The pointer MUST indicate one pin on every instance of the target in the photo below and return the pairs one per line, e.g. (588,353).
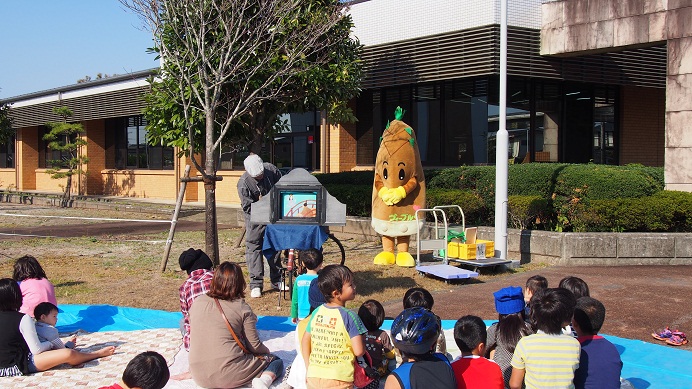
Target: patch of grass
(68,289)
(124,270)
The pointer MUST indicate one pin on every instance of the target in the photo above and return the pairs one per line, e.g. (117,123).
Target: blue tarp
(646,365)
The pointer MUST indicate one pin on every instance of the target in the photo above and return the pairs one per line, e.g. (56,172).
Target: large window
(604,134)
(7,154)
(297,144)
(132,150)
(49,158)
(456,121)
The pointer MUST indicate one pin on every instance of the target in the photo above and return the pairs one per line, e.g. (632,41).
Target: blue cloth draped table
(292,236)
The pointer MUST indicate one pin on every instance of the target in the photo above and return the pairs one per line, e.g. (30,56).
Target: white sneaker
(256,293)
(259,383)
(280,286)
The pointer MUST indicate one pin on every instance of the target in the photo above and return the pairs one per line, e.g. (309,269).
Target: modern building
(575,94)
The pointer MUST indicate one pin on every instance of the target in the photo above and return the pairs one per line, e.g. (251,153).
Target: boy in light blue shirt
(300,303)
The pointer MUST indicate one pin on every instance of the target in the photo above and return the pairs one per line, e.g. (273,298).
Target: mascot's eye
(402,174)
(384,173)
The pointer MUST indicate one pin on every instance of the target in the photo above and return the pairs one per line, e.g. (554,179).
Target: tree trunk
(256,146)
(211,236)
(211,233)
(66,194)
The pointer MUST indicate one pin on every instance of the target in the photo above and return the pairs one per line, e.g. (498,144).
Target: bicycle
(333,252)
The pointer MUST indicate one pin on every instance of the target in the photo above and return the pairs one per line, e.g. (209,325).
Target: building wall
(642,125)
(27,158)
(342,147)
(8,178)
(95,150)
(385,21)
(154,184)
(46,184)
(226,189)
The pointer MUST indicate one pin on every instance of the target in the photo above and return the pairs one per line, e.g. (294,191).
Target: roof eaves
(85,85)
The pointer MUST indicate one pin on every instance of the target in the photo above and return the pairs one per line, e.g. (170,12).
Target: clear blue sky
(46,44)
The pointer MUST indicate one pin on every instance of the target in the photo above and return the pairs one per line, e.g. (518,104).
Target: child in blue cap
(504,335)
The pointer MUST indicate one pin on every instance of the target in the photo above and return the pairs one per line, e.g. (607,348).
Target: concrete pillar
(678,143)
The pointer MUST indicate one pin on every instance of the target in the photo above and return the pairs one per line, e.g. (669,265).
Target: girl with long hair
(504,335)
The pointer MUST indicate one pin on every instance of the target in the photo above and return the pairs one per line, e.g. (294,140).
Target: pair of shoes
(280,286)
(256,293)
(666,334)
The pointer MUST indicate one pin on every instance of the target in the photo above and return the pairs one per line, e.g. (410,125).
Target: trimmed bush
(665,211)
(474,210)
(577,186)
(563,197)
(358,198)
(528,212)
(605,182)
(357,178)
(533,179)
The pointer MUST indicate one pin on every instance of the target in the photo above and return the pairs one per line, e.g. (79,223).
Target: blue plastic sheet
(646,365)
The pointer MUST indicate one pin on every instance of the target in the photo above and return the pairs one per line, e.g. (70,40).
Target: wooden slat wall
(98,106)
(475,52)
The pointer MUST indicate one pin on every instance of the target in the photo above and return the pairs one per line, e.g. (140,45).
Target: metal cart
(441,228)
(438,244)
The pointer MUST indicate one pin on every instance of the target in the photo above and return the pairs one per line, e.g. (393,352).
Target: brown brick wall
(642,125)
(95,150)
(343,145)
(27,157)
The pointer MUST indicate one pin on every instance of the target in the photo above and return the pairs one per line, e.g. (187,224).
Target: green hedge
(665,211)
(356,178)
(475,211)
(358,198)
(563,197)
(528,212)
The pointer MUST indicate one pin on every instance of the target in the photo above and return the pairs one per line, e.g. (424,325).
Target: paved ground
(638,299)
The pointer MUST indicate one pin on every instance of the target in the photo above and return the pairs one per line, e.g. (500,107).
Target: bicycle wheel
(333,251)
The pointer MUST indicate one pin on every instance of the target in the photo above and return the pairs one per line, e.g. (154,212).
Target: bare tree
(221,58)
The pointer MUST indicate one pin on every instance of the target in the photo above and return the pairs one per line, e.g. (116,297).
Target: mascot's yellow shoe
(405,260)
(385,258)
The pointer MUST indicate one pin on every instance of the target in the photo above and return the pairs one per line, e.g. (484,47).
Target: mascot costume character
(398,191)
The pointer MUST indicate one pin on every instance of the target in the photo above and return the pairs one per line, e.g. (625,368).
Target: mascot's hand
(397,194)
(386,195)
(381,193)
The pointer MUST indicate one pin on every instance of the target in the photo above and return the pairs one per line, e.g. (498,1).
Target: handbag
(364,375)
(265,357)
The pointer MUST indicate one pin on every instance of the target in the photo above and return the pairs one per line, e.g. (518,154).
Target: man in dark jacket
(258,179)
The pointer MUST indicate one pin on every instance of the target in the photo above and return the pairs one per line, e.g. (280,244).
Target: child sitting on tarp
(420,297)
(534,284)
(599,364)
(551,310)
(46,315)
